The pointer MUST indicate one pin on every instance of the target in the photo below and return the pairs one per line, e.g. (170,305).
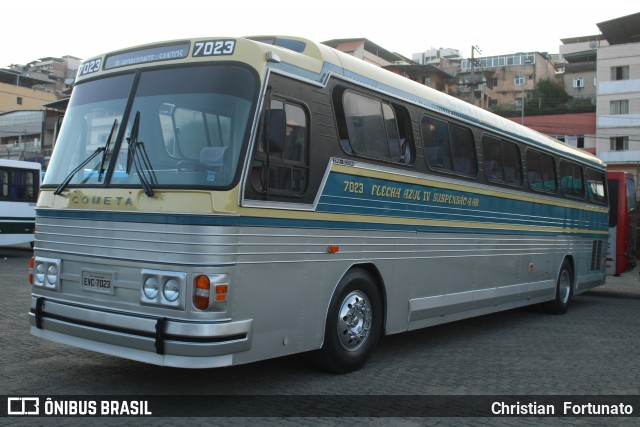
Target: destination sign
(150,54)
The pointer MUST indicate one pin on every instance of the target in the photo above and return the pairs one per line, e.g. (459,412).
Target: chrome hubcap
(564,286)
(354,320)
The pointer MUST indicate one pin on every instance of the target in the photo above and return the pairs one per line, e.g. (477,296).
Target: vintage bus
(19,186)
(212,202)
(623,222)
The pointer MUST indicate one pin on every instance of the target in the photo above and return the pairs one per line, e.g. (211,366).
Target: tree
(581,105)
(548,97)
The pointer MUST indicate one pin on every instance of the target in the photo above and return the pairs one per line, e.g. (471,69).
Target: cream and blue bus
(213,202)
(19,186)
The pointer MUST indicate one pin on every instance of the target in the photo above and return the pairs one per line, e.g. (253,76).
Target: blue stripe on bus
(343,194)
(247,221)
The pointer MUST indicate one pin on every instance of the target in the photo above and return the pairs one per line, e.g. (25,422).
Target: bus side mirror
(275,122)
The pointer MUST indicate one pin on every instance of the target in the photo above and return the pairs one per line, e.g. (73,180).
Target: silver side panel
(282,279)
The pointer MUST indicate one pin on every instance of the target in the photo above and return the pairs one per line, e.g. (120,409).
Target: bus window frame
(402,121)
(590,198)
(450,125)
(503,141)
(580,167)
(278,160)
(33,188)
(554,170)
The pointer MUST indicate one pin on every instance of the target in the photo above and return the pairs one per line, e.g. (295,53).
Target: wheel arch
(375,274)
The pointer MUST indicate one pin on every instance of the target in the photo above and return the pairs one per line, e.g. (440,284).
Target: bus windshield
(184,127)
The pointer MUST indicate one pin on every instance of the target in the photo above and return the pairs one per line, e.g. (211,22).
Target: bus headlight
(40,269)
(46,273)
(163,288)
(150,288)
(52,275)
(171,290)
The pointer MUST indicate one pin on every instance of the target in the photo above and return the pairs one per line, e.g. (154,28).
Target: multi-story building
(618,95)
(578,65)
(19,92)
(26,125)
(367,51)
(436,57)
(512,76)
(499,82)
(427,74)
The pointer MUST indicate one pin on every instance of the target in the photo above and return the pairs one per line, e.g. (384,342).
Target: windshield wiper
(103,149)
(139,158)
(106,150)
(69,177)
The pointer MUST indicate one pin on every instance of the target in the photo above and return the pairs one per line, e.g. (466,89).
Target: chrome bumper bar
(157,340)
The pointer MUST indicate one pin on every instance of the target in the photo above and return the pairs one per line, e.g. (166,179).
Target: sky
(36,29)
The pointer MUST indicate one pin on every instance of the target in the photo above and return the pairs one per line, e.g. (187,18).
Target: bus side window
(541,171)
(449,147)
(571,180)
(463,150)
(373,128)
(288,173)
(435,134)
(501,161)
(595,186)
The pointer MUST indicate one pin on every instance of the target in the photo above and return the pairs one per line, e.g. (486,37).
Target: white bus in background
(19,186)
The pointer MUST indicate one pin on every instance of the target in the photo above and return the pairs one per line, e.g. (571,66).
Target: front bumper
(156,340)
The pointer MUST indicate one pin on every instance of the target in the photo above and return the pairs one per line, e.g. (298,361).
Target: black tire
(564,291)
(354,323)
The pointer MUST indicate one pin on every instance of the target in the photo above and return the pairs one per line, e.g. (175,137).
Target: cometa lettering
(102,200)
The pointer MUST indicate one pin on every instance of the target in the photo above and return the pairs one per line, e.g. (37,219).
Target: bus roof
(20,164)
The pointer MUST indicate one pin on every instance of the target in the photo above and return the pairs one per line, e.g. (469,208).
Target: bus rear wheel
(354,323)
(564,291)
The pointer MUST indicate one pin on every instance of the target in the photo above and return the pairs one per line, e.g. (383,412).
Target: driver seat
(214,157)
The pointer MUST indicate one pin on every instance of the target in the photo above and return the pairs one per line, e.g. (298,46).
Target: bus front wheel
(354,323)
(564,291)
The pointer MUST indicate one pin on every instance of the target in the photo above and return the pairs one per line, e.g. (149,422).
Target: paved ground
(592,350)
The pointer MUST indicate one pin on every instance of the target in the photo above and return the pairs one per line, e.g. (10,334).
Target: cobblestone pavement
(592,350)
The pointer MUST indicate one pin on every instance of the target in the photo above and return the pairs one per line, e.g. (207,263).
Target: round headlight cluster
(46,272)
(170,289)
